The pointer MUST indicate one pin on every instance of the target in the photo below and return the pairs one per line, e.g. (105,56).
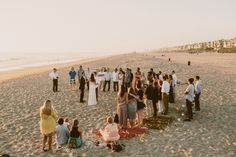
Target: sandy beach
(211,133)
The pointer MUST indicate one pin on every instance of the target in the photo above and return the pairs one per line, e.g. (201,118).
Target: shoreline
(6,76)
(179,58)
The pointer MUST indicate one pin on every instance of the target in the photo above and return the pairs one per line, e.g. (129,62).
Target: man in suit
(82,87)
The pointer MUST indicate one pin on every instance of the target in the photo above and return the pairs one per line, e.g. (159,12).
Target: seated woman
(75,140)
(111,132)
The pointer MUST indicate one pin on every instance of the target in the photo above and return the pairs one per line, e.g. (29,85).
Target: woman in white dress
(92,100)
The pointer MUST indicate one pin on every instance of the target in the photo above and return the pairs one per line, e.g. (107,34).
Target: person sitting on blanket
(75,140)
(111,132)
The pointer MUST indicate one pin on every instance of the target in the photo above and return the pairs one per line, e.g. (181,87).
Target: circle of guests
(139,96)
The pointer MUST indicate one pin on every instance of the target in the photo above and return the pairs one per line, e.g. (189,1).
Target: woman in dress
(132,106)
(75,140)
(138,75)
(171,93)
(140,103)
(47,123)
(143,79)
(92,100)
(122,107)
(111,132)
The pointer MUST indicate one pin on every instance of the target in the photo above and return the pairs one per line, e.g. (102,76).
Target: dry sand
(211,133)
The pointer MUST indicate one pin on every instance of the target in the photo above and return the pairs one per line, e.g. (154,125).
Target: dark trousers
(105,84)
(197,102)
(165,99)
(115,86)
(127,85)
(55,85)
(154,103)
(97,94)
(82,95)
(189,109)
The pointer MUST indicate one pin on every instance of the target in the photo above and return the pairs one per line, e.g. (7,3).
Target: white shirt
(190,90)
(53,75)
(62,134)
(161,77)
(198,86)
(174,79)
(108,76)
(165,88)
(115,76)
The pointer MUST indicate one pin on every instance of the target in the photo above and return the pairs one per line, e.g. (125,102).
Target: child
(67,123)
(111,132)
(62,133)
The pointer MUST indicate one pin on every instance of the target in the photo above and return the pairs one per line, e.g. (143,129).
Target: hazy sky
(111,25)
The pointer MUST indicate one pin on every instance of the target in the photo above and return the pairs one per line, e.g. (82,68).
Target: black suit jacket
(82,83)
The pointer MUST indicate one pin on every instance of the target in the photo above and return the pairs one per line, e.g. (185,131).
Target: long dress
(92,100)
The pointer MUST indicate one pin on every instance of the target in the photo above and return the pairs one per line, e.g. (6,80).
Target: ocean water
(10,61)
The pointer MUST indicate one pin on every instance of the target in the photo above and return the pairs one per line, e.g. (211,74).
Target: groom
(82,87)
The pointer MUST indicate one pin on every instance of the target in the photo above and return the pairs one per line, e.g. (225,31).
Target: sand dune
(211,133)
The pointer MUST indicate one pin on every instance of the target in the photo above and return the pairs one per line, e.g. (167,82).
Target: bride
(92,91)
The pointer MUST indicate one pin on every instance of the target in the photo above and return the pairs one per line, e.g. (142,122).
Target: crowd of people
(136,93)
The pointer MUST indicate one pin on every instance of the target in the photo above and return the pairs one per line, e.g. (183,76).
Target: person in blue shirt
(72,75)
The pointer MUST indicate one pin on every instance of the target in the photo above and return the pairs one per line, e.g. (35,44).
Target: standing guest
(174,78)
(82,87)
(148,98)
(157,77)
(132,107)
(152,72)
(131,78)
(62,133)
(122,106)
(189,92)
(138,74)
(115,78)
(75,140)
(88,74)
(80,72)
(127,79)
(111,132)
(165,95)
(160,76)
(198,91)
(156,96)
(108,76)
(150,76)
(54,75)
(174,83)
(121,77)
(101,78)
(171,93)
(72,75)
(98,83)
(143,79)
(140,103)
(47,123)
(160,103)
(92,100)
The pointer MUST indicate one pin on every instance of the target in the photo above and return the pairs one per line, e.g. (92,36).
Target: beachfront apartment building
(210,45)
